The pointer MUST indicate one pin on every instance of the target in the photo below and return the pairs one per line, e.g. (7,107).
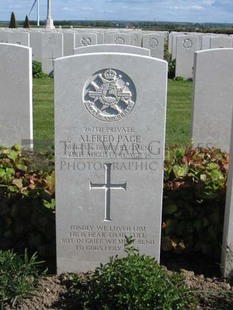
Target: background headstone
(205,42)
(52,48)
(220,42)
(117,38)
(19,37)
(4,36)
(16,94)
(111,48)
(212,98)
(155,43)
(185,48)
(68,42)
(85,39)
(136,38)
(36,45)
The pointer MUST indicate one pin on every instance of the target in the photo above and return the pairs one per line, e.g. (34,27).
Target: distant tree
(26,22)
(12,21)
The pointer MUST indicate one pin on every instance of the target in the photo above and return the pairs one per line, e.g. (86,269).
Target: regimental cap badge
(109,95)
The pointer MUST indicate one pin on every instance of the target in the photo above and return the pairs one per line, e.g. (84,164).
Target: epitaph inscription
(105,238)
(109,95)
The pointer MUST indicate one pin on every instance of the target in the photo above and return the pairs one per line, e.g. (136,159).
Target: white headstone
(136,38)
(155,43)
(205,42)
(4,36)
(36,45)
(52,48)
(109,146)
(170,39)
(99,35)
(117,38)
(19,37)
(220,42)
(112,48)
(68,42)
(185,48)
(173,40)
(85,39)
(212,98)
(16,94)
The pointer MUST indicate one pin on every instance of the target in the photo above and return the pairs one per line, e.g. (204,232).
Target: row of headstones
(183,46)
(109,144)
(49,45)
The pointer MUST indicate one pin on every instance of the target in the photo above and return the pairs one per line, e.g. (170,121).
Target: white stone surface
(220,42)
(68,42)
(16,94)
(205,42)
(52,48)
(85,39)
(117,38)
(111,48)
(155,43)
(4,36)
(136,38)
(109,146)
(212,98)
(186,46)
(19,37)
(36,45)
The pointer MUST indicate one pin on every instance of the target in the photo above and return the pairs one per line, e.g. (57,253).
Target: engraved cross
(107,186)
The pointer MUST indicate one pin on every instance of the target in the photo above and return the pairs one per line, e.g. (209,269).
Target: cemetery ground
(201,274)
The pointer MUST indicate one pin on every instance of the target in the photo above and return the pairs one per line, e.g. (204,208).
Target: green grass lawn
(179,105)
(178,112)
(43,112)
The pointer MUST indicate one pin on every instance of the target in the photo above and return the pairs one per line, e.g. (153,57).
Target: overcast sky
(220,11)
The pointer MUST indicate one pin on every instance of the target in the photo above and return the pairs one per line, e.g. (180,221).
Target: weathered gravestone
(212,98)
(109,129)
(227,242)
(16,94)
(111,48)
